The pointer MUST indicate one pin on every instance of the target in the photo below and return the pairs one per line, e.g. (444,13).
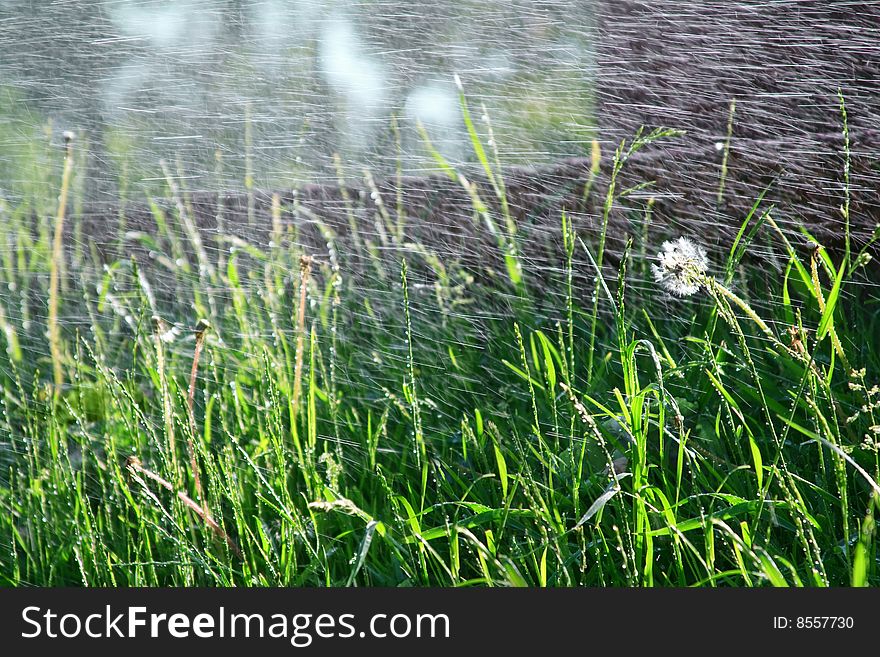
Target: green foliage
(441,436)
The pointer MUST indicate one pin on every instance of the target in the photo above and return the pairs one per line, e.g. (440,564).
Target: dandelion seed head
(681,266)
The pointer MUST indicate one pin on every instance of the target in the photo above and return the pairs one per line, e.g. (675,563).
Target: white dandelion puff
(681,267)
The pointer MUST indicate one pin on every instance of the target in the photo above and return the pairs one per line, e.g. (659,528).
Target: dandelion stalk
(56,264)
(201,329)
(135,467)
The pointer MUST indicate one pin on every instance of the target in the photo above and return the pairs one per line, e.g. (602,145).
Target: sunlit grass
(280,418)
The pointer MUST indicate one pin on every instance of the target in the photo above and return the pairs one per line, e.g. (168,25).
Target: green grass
(413,427)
